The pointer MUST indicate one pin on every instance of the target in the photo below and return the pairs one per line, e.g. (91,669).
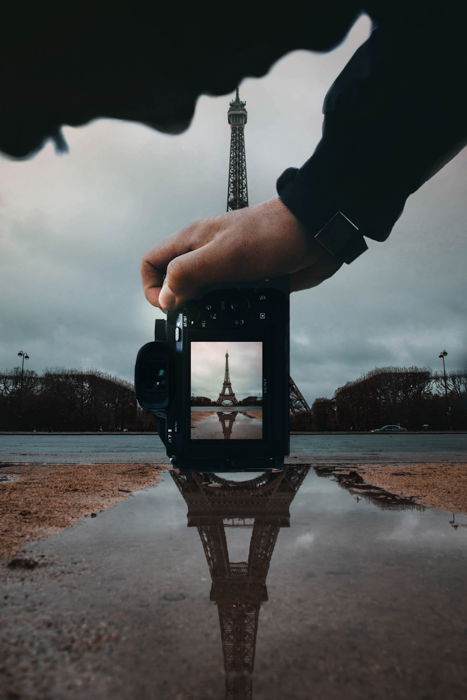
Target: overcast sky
(73,229)
(208,368)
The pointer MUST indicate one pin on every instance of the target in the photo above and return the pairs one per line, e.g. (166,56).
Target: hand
(260,242)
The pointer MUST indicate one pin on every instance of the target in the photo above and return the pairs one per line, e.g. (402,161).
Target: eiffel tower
(237,188)
(239,588)
(227,395)
(237,198)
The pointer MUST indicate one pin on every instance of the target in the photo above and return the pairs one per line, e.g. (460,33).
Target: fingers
(209,251)
(189,273)
(155,262)
(152,280)
(255,243)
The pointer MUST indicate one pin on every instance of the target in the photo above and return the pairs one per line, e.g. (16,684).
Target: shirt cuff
(317,210)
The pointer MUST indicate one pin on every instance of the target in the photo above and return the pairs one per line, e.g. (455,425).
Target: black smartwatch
(341,238)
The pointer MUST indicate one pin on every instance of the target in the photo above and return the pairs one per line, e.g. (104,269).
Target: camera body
(217,378)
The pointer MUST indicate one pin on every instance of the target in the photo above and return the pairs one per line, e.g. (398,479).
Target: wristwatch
(341,238)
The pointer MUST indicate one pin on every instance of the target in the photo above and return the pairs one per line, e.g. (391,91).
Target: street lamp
(24,356)
(442,355)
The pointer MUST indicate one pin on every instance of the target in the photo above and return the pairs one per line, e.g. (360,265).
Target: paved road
(315,448)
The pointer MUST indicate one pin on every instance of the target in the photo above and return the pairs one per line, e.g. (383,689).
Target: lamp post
(24,356)
(442,355)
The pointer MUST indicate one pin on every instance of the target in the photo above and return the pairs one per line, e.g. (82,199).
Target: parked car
(390,429)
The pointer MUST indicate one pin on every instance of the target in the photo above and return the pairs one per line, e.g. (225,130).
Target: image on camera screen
(226,390)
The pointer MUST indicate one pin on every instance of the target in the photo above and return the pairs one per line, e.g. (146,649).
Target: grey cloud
(73,230)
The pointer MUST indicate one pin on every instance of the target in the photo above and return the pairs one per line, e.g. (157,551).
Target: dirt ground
(39,499)
(436,484)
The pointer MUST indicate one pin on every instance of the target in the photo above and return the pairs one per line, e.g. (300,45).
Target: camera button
(193,312)
(263,299)
(239,304)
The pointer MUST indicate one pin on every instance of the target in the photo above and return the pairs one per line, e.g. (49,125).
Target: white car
(390,429)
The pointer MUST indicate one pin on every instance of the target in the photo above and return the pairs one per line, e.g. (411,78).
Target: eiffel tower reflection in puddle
(227,421)
(239,588)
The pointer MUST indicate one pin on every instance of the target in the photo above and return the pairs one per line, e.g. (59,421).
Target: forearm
(389,125)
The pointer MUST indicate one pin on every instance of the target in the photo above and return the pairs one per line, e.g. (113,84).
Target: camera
(216,378)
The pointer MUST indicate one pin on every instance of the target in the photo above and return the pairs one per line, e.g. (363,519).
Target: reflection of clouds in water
(323,493)
(406,528)
(163,499)
(412,528)
(305,541)
(322,485)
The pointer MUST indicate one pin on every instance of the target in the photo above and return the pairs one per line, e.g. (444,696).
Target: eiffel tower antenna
(237,198)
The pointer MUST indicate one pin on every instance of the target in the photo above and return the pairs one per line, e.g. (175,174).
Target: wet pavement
(346,599)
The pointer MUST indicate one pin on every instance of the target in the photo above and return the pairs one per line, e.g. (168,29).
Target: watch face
(341,238)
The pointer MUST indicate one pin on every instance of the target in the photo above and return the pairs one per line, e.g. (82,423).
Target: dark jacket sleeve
(393,117)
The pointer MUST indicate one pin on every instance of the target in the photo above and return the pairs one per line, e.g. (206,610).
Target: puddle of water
(225,424)
(341,599)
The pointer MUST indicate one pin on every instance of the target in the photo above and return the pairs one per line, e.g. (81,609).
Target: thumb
(186,275)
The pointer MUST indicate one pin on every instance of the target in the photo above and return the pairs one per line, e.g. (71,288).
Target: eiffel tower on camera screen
(226,390)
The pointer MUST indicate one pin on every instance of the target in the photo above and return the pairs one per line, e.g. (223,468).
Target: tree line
(412,397)
(63,400)
(74,400)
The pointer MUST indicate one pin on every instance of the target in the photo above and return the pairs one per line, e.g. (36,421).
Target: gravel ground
(39,499)
(435,484)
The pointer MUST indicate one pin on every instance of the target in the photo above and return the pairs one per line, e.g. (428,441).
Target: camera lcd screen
(226,390)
